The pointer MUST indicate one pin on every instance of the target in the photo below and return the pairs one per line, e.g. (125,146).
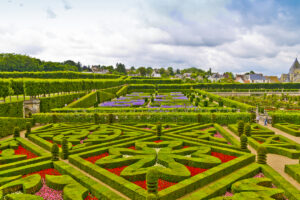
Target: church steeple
(294,66)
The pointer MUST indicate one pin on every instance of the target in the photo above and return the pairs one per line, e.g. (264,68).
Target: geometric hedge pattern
(113,161)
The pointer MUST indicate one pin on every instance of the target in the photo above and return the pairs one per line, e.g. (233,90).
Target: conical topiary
(158,129)
(96,118)
(244,141)
(152,180)
(28,129)
(199,118)
(240,127)
(110,118)
(262,155)
(16,132)
(55,152)
(247,130)
(65,148)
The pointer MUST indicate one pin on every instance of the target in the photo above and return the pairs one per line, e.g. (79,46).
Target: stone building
(294,73)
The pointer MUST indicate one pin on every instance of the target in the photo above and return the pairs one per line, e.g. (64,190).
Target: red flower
(22,151)
(43,173)
(116,171)
(132,147)
(91,197)
(158,141)
(93,159)
(185,147)
(59,145)
(223,157)
(162,184)
(195,170)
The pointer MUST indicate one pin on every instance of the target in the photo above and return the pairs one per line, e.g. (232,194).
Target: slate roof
(256,77)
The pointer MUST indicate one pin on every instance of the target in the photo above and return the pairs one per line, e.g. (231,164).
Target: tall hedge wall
(280,117)
(48,103)
(85,101)
(13,109)
(7,125)
(221,118)
(57,75)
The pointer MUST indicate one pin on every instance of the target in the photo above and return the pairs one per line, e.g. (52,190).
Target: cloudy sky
(226,35)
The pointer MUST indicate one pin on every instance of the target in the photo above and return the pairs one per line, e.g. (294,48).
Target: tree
(121,68)
(55,152)
(170,71)
(142,71)
(177,71)
(149,70)
(162,71)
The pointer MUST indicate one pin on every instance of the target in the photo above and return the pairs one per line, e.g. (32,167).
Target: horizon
(233,36)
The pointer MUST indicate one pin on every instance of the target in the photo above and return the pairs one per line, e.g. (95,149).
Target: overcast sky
(226,35)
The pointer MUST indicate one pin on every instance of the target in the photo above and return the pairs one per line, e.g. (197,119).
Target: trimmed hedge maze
(141,161)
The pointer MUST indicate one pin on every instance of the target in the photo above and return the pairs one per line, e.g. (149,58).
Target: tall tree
(142,71)
(170,71)
(121,68)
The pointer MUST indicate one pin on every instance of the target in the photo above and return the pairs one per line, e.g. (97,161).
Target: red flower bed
(22,151)
(185,147)
(43,173)
(132,147)
(260,142)
(158,141)
(162,184)
(91,197)
(223,157)
(93,159)
(195,170)
(59,145)
(116,171)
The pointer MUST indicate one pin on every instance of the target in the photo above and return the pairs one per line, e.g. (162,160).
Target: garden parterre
(186,154)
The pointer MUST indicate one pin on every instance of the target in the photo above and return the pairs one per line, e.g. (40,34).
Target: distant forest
(23,63)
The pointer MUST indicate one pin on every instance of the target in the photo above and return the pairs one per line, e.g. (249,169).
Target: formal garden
(114,137)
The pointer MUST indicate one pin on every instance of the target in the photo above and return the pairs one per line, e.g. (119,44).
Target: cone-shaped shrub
(244,141)
(55,152)
(205,103)
(28,129)
(240,128)
(213,118)
(54,119)
(96,118)
(16,132)
(152,180)
(158,129)
(252,117)
(65,148)
(221,103)
(199,118)
(262,155)
(247,130)
(110,118)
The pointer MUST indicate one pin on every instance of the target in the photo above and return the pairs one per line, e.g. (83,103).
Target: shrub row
(226,101)
(7,125)
(126,109)
(85,101)
(123,91)
(285,117)
(48,103)
(293,171)
(286,127)
(57,75)
(221,118)
(13,109)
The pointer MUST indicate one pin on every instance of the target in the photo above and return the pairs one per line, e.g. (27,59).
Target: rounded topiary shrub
(262,155)
(55,152)
(152,180)
(65,148)
(244,141)
(247,130)
(205,103)
(16,132)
